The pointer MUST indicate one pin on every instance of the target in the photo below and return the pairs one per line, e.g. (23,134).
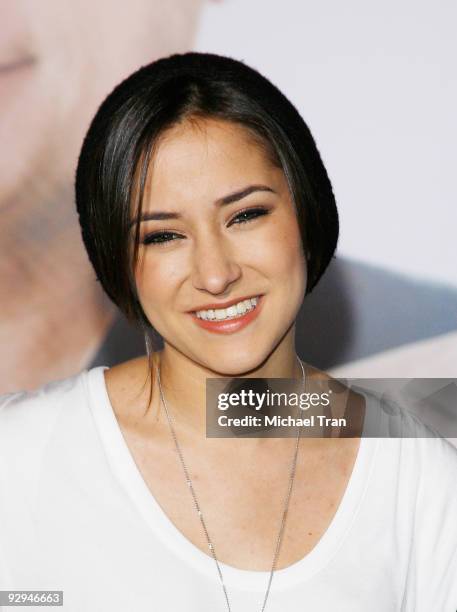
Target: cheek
(282,251)
(156,279)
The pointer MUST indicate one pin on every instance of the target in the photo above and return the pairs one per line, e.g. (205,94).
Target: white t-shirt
(76,515)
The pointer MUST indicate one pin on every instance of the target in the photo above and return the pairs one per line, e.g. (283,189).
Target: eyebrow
(161,215)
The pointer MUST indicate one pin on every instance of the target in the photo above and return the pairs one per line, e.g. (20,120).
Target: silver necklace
(197,505)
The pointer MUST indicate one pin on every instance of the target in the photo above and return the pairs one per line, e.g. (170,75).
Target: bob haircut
(115,155)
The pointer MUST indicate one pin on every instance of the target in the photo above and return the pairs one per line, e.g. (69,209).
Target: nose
(215,267)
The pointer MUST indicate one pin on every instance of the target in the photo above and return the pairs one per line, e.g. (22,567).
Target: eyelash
(160,238)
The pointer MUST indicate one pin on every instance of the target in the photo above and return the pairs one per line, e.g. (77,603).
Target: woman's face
(221,274)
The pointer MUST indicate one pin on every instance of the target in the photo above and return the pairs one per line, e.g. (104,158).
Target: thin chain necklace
(197,505)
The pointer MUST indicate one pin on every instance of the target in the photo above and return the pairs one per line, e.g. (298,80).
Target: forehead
(207,156)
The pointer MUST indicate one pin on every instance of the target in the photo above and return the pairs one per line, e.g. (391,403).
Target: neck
(53,312)
(184,381)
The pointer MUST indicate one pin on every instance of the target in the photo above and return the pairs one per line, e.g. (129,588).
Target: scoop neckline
(129,476)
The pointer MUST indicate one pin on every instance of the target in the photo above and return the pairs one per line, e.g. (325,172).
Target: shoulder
(14,406)
(27,418)
(419,444)
(42,433)
(422,462)
(437,463)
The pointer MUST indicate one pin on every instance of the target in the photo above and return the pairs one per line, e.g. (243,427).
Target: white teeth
(234,311)
(241,308)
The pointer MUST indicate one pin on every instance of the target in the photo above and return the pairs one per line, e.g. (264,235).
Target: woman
(208,215)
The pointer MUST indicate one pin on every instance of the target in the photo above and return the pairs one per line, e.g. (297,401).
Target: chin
(237,363)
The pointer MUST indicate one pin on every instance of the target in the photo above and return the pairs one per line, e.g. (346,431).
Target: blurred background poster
(376,83)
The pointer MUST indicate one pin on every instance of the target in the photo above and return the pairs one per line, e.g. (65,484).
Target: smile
(230,319)
(232,312)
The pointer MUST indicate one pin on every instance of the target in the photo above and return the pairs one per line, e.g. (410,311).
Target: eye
(249,214)
(160,238)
